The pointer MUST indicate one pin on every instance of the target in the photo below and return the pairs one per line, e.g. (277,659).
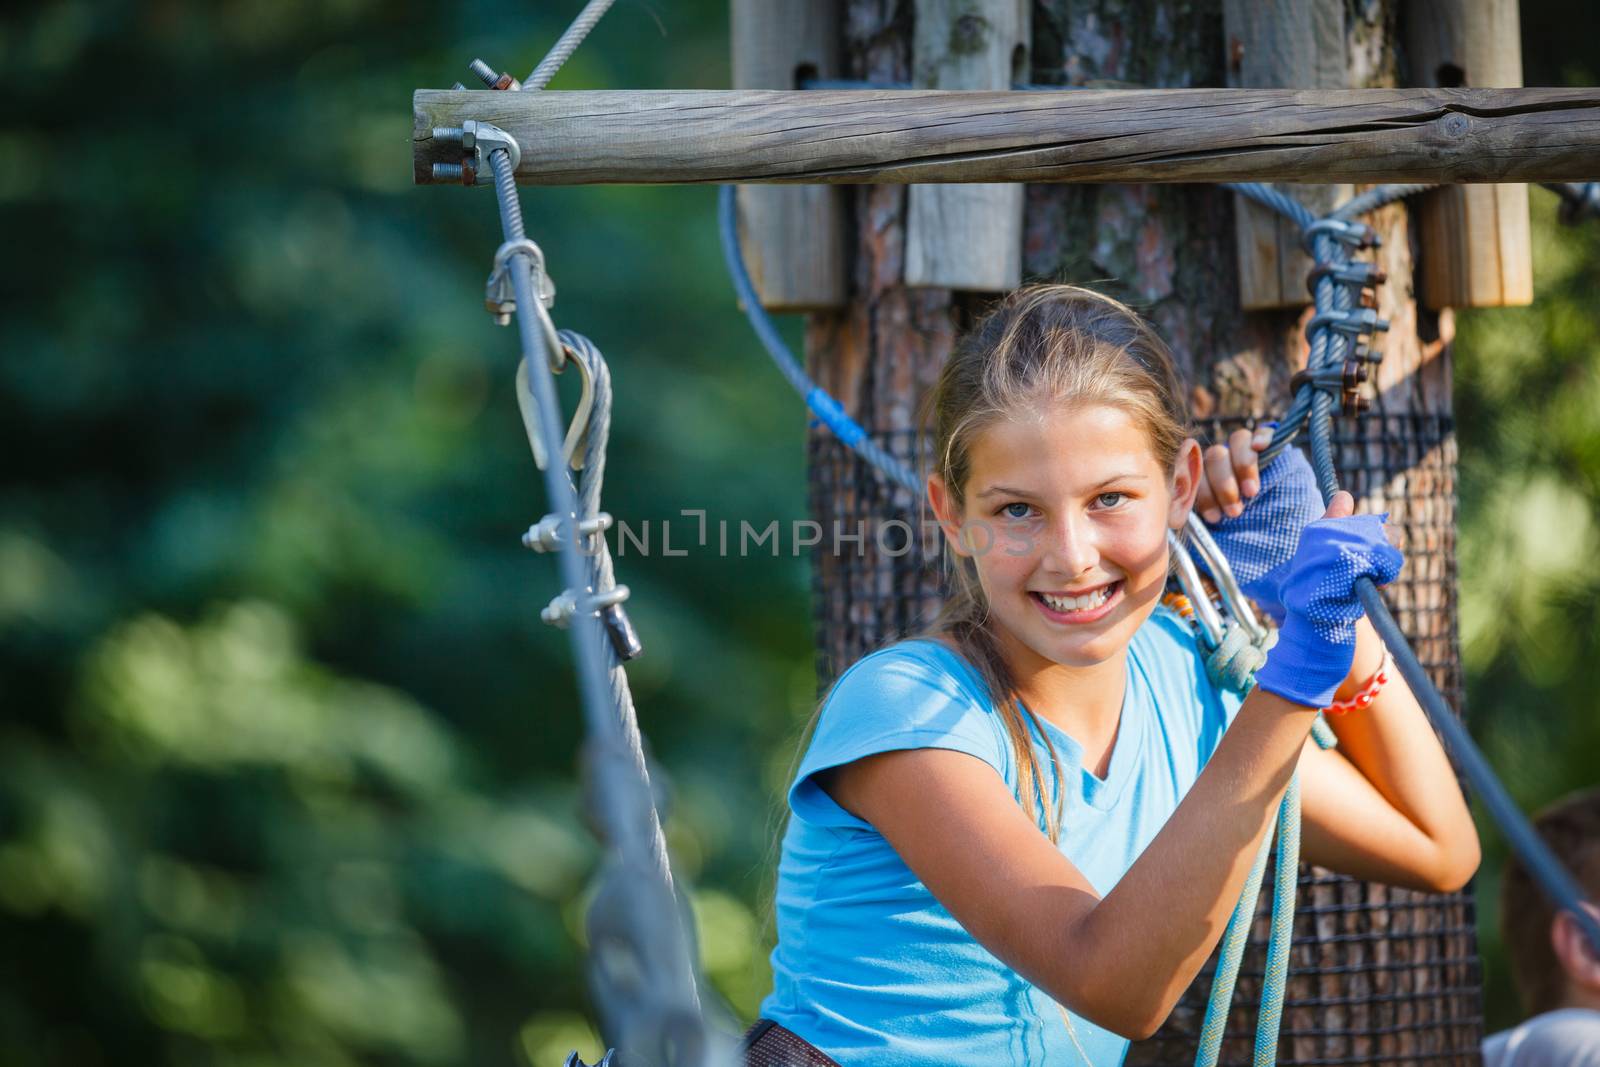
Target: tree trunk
(1378,974)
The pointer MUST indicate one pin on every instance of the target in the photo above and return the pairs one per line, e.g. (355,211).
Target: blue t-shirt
(869,966)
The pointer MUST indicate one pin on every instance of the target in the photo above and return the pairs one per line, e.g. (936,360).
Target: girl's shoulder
(917,693)
(931,672)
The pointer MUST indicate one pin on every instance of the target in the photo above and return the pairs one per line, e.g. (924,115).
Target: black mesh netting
(1377,974)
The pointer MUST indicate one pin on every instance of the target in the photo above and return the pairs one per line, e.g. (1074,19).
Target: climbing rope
(641,961)
(1335,331)
(567,44)
(818,399)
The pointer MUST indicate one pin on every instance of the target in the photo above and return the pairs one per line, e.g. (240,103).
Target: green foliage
(288,769)
(1527,393)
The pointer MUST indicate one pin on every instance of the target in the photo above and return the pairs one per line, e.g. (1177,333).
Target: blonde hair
(1041,347)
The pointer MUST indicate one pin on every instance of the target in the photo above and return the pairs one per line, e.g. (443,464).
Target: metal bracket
(477,141)
(1355,272)
(1355,322)
(545,535)
(499,296)
(1346,232)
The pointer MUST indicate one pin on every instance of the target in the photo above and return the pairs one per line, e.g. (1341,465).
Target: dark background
(286,759)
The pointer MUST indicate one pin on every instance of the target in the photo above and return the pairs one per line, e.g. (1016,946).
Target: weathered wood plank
(967,236)
(1288,44)
(1131,135)
(1476,248)
(793,236)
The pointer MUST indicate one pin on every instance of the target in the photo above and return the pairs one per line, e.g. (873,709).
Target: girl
(1016,838)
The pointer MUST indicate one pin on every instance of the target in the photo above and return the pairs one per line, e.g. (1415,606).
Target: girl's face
(1066,519)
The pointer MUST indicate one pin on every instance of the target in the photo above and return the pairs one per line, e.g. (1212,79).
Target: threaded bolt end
(451,134)
(486,73)
(448,172)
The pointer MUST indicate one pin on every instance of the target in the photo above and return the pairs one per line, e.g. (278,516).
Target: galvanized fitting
(563,607)
(1358,272)
(1347,232)
(499,296)
(477,140)
(545,535)
(494,81)
(1355,322)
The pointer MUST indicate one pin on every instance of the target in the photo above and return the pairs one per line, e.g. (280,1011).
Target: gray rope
(1327,351)
(1380,196)
(568,43)
(641,959)
(1281,202)
(824,406)
(602,577)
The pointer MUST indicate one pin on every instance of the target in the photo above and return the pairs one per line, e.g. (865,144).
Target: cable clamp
(1359,273)
(619,628)
(545,535)
(1347,232)
(564,605)
(1355,322)
(1343,382)
(477,140)
(499,295)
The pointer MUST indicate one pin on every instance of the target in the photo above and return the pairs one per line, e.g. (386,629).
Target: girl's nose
(1071,549)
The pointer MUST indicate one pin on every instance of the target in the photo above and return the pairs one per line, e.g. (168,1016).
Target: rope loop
(1232,665)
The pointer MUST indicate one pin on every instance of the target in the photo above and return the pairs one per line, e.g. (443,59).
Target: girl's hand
(1230,475)
(1317,641)
(1260,543)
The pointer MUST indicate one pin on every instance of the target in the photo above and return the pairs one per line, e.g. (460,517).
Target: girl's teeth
(1077,603)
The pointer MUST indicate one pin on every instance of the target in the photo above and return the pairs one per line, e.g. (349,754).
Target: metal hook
(1189,579)
(1222,572)
(577,429)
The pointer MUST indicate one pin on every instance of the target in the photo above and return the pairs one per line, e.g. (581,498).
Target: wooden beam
(1291,44)
(1126,135)
(1476,246)
(792,236)
(967,236)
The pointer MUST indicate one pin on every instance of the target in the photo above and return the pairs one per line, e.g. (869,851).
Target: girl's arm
(1385,805)
(1123,960)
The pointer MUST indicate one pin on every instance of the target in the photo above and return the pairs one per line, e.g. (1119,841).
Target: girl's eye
(1110,500)
(1010,514)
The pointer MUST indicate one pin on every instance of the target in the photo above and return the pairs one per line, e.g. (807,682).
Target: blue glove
(1317,641)
(1260,542)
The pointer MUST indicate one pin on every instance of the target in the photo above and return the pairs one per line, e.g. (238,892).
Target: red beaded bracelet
(1363,700)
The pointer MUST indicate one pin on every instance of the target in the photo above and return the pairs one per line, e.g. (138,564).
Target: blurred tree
(286,774)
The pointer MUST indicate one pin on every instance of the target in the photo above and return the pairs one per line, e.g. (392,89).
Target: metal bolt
(494,81)
(448,172)
(484,71)
(457,86)
(449,134)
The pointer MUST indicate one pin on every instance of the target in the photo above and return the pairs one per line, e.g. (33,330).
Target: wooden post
(967,236)
(1475,242)
(1290,44)
(793,238)
(668,136)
